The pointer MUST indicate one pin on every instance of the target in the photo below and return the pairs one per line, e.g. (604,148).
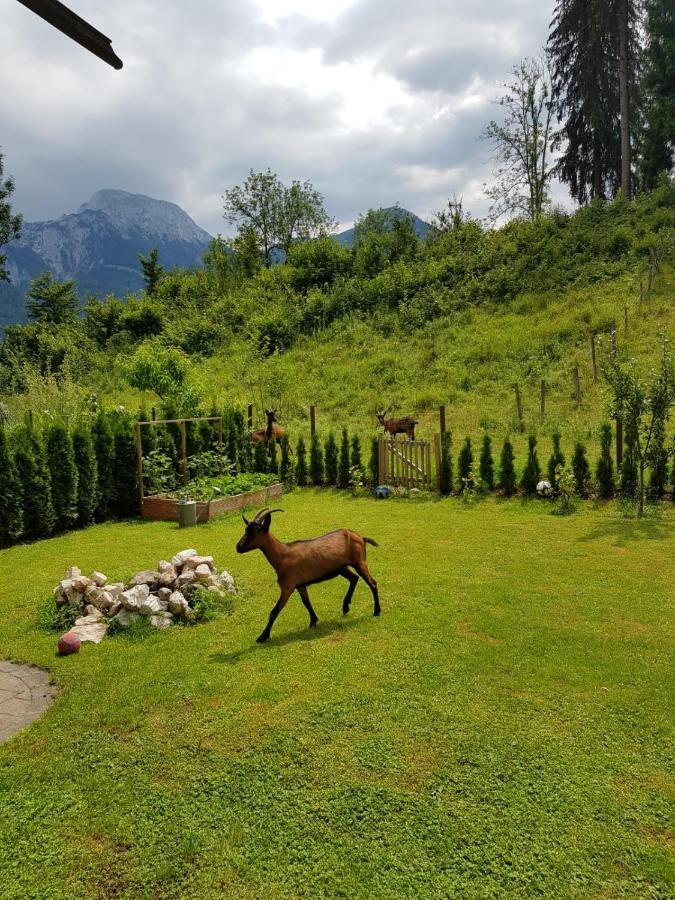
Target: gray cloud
(187,116)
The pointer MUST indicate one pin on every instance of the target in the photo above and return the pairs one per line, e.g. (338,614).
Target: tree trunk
(624,100)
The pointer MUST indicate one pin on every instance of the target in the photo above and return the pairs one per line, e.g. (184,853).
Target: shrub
(300,463)
(87,476)
(36,484)
(343,464)
(11,512)
(285,467)
(125,499)
(316,461)
(465,466)
(260,457)
(629,472)
(487,469)
(658,461)
(208,605)
(104,448)
(331,459)
(355,457)
(445,474)
(604,472)
(63,472)
(273,462)
(532,470)
(507,471)
(374,462)
(580,470)
(672,481)
(59,619)
(556,461)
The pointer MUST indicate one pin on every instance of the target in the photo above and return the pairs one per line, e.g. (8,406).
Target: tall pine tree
(61,461)
(658,89)
(11,513)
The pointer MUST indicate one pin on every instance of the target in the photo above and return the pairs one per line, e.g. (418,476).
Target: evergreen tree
(658,86)
(331,460)
(260,458)
(672,481)
(445,475)
(556,462)
(63,471)
(343,464)
(507,471)
(658,462)
(11,512)
(300,463)
(36,485)
(316,461)
(532,470)
(50,301)
(487,468)
(87,476)
(593,92)
(273,462)
(285,467)
(604,472)
(355,457)
(152,271)
(580,469)
(374,462)
(104,447)
(629,470)
(125,499)
(231,441)
(465,465)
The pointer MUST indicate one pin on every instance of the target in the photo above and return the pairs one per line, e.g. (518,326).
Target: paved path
(25,693)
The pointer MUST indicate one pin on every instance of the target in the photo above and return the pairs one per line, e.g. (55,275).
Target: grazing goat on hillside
(405,425)
(265,434)
(302,563)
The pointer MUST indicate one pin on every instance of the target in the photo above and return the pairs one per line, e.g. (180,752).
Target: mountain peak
(134,214)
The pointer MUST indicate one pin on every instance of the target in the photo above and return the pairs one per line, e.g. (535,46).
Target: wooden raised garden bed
(161,506)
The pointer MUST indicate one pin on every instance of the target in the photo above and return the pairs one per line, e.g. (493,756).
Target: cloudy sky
(375,102)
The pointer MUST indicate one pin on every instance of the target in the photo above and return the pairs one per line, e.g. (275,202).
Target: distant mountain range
(99,246)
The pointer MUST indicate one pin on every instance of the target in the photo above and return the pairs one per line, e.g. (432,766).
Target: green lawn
(503,730)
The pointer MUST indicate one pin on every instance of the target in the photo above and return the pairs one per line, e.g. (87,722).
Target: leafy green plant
(556,460)
(63,471)
(343,465)
(301,463)
(51,617)
(487,469)
(208,605)
(11,512)
(331,453)
(565,488)
(532,470)
(465,466)
(507,471)
(604,472)
(285,466)
(87,475)
(581,470)
(316,461)
(158,472)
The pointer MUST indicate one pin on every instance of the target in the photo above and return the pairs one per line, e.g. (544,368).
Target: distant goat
(302,563)
(405,425)
(272,430)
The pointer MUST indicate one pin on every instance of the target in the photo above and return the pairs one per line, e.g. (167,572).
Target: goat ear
(266,522)
(246,522)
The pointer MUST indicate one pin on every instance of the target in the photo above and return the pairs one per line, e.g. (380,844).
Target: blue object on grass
(382,492)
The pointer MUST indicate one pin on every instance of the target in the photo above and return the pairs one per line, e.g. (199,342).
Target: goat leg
(276,609)
(364,572)
(304,596)
(353,581)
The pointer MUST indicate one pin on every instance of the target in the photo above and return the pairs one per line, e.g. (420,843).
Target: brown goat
(405,425)
(302,563)
(265,434)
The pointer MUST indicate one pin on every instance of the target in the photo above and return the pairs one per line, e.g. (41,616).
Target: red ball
(69,643)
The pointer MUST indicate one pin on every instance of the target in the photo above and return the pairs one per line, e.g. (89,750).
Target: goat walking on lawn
(302,563)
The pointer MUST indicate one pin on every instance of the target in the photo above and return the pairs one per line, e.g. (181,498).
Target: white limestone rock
(148,577)
(150,606)
(179,559)
(98,578)
(73,572)
(133,598)
(90,631)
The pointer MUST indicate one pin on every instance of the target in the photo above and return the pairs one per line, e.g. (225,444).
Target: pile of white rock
(163,596)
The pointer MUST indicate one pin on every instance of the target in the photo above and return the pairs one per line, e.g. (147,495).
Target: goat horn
(259,515)
(246,522)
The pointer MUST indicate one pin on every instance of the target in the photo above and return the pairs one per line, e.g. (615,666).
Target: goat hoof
(263,637)
(313,623)
(377,612)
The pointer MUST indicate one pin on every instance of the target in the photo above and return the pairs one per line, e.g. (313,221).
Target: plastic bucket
(187,513)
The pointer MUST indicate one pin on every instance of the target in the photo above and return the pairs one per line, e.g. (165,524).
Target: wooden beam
(74,27)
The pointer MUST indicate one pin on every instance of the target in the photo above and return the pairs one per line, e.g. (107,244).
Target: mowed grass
(503,730)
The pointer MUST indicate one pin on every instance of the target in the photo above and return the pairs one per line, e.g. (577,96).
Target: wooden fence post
(250,417)
(154,414)
(139,463)
(312,420)
(577,385)
(543,400)
(441,419)
(519,408)
(593,359)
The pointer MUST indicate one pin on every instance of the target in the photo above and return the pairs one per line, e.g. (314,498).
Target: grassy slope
(501,730)
(468,362)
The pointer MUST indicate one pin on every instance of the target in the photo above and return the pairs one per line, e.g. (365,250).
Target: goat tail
(368,540)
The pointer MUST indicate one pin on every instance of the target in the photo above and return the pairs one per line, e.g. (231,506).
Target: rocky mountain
(422,228)
(99,247)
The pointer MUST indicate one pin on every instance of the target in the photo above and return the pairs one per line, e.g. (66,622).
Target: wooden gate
(405,463)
